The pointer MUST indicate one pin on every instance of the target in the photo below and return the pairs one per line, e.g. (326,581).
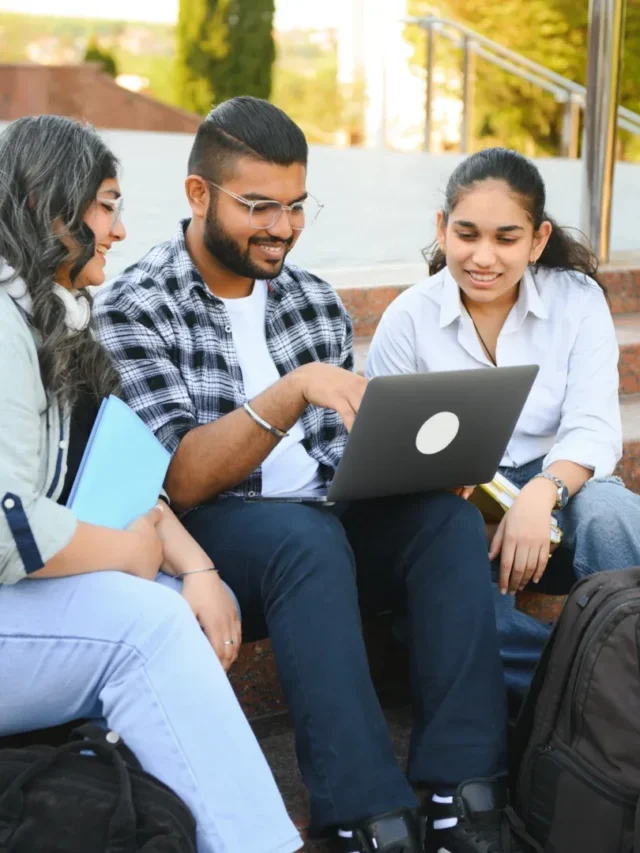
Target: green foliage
(553,33)
(305,85)
(155,60)
(247,68)
(225,48)
(95,53)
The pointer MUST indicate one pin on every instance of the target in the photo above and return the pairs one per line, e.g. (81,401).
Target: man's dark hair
(245,127)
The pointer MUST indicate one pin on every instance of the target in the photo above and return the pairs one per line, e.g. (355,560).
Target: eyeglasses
(265,214)
(115,205)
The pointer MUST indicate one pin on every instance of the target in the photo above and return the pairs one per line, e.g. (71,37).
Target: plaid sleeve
(348,361)
(138,341)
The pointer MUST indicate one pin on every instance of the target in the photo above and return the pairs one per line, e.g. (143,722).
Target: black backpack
(88,796)
(576,746)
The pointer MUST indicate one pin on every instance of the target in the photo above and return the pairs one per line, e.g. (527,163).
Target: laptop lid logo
(437,433)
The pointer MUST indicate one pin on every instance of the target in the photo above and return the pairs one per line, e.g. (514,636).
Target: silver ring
(230,642)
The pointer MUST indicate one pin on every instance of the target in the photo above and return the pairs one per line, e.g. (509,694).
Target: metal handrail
(472,43)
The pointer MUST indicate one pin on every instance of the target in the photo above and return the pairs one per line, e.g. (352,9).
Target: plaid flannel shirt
(171,340)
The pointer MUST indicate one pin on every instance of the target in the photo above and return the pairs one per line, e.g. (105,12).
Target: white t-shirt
(288,468)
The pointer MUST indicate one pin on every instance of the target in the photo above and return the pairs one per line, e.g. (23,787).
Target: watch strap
(561,487)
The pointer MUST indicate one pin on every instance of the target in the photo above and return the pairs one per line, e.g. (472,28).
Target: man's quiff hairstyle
(245,127)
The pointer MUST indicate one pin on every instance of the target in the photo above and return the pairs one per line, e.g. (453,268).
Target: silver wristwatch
(562,498)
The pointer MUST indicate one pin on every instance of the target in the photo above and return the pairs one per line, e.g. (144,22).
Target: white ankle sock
(446,822)
(346,833)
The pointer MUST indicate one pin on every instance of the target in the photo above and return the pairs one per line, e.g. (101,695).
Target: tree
(247,68)
(511,111)
(106,60)
(225,48)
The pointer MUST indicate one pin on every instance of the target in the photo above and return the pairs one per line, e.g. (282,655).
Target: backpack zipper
(591,777)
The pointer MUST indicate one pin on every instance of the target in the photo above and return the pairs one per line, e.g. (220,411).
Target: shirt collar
(186,272)
(529,300)
(188,275)
(450,302)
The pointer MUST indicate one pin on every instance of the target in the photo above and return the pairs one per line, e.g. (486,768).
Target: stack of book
(494,499)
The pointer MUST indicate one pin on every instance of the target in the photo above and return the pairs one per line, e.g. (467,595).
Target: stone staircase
(254,675)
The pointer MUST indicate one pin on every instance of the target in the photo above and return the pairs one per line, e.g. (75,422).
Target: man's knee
(450,533)
(454,516)
(313,544)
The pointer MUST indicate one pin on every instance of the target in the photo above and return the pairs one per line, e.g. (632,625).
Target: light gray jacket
(34,435)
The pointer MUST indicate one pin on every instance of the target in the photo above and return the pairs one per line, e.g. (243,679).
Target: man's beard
(227,251)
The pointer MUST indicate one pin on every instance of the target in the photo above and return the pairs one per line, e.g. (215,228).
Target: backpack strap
(111,739)
(122,824)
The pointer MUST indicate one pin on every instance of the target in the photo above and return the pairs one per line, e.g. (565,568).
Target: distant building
(84,92)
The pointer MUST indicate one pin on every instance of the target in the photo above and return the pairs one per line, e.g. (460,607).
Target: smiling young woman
(88,626)
(508,286)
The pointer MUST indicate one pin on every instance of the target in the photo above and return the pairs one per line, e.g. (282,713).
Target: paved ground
(379,205)
(277,741)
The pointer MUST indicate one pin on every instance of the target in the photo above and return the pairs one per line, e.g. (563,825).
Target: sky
(289,13)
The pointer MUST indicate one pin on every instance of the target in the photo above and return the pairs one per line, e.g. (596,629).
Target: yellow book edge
(495,498)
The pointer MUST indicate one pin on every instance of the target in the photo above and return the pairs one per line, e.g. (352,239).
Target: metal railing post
(571,127)
(428,102)
(468,80)
(606,32)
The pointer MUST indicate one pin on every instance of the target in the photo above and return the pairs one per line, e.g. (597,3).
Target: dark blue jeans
(293,570)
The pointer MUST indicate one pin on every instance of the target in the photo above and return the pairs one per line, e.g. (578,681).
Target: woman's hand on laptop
(332,387)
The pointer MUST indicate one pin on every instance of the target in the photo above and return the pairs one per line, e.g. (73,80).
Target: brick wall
(82,91)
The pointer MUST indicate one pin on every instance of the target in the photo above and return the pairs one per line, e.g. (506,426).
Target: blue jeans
(601,527)
(293,570)
(109,645)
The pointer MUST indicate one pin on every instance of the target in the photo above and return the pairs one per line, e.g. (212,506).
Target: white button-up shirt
(561,322)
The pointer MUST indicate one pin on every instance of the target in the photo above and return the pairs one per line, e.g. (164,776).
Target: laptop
(425,432)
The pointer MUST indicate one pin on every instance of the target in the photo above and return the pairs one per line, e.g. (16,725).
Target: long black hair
(51,168)
(562,252)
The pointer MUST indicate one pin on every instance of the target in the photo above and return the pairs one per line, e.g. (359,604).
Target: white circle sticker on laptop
(437,433)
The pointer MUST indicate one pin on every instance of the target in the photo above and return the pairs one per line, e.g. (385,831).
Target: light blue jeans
(115,647)
(601,526)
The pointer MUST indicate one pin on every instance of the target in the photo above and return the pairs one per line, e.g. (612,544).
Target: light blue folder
(122,469)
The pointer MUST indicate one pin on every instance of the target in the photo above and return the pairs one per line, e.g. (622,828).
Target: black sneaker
(485,823)
(394,832)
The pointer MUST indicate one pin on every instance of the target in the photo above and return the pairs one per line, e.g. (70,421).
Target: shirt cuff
(601,460)
(36,532)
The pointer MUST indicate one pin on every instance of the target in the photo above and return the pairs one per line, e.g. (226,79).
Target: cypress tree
(225,48)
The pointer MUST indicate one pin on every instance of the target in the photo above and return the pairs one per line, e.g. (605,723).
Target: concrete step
(366,304)
(628,333)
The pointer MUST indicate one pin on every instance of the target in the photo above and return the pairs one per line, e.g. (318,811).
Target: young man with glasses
(242,366)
